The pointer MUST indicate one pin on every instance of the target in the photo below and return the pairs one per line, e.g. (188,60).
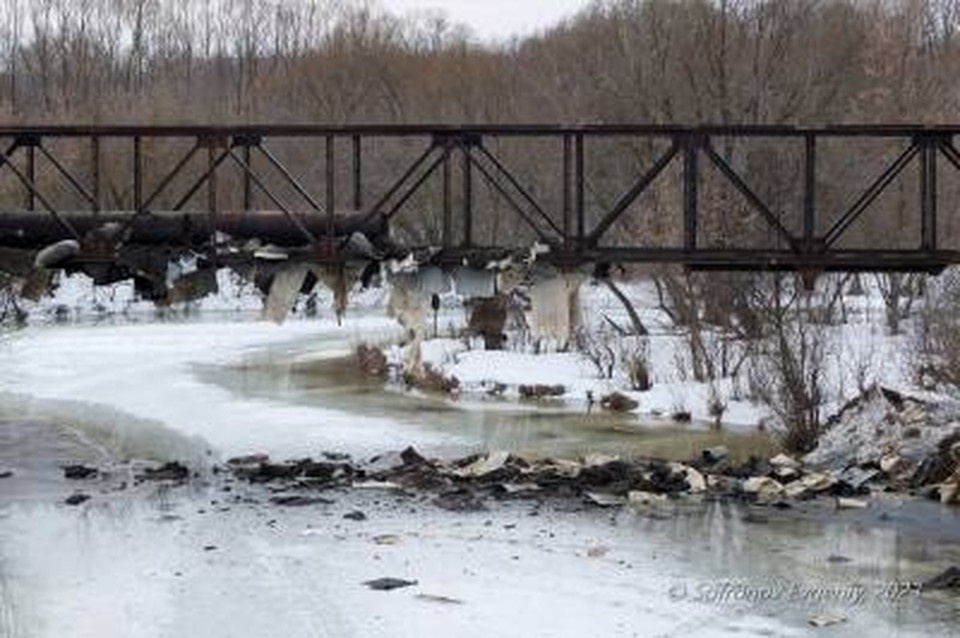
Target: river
(215,559)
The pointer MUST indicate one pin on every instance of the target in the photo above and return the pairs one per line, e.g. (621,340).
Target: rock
(892,464)
(250,459)
(411,457)
(939,466)
(784,461)
(850,504)
(386,539)
(485,465)
(754,466)
(461,500)
(950,493)
(541,391)
(695,481)
(299,500)
(564,468)
(604,500)
(914,414)
(786,473)
(431,380)
(638,497)
(432,598)
(388,583)
(948,579)
(604,474)
(826,620)
(322,470)
(836,558)
(797,490)
(818,482)
(79,472)
(372,360)
(598,551)
(618,402)
(171,471)
(853,480)
(596,458)
(715,455)
(265,472)
(355,515)
(77,499)
(518,488)
(764,487)
(722,483)
(385,462)
(682,416)
(4,474)
(377,485)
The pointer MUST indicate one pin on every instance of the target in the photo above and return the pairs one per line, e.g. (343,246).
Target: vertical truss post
(137,173)
(928,191)
(31,175)
(95,171)
(212,142)
(247,183)
(447,229)
(691,145)
(579,199)
(466,169)
(357,174)
(331,192)
(567,203)
(809,191)
(212,182)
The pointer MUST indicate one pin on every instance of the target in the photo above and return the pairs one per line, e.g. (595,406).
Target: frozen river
(204,561)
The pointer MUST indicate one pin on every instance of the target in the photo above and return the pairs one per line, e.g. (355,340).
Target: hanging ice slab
(554,305)
(283,292)
(470,282)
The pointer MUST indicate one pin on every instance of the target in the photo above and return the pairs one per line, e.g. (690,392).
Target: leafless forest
(794,62)
(733,61)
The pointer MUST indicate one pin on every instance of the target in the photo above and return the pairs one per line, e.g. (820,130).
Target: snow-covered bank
(144,371)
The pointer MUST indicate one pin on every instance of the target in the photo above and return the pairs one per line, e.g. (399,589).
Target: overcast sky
(495,19)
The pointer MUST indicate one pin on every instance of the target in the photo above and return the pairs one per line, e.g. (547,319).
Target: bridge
(707,197)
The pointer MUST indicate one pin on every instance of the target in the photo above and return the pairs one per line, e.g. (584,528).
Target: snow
(143,371)
(135,565)
(516,368)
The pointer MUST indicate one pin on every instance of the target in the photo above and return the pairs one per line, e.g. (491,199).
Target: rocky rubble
(905,441)
(886,441)
(469,483)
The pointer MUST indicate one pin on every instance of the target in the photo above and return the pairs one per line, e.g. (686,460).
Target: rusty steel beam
(506,130)
(30,230)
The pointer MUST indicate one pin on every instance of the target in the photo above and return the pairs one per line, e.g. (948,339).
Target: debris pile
(912,441)
(466,484)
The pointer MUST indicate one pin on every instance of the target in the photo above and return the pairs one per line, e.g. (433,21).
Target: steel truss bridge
(230,182)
